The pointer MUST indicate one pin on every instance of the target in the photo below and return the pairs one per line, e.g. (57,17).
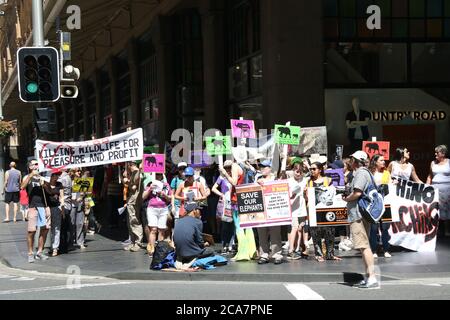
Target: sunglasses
(313,169)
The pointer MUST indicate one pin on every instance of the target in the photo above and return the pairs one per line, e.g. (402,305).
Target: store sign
(385,116)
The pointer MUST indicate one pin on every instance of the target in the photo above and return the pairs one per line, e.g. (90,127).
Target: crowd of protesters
(156,203)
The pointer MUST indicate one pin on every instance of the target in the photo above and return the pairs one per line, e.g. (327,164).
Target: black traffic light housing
(45,119)
(38,74)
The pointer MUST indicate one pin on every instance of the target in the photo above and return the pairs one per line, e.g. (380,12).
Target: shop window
(400,8)
(434,8)
(430,63)
(125,119)
(416,8)
(447,8)
(107,126)
(92,125)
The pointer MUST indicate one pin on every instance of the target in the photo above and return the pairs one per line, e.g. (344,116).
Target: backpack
(371,203)
(162,250)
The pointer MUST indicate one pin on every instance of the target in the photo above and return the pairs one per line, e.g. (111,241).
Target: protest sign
(313,140)
(337,177)
(243,129)
(264,206)
(417,209)
(200,159)
(377,147)
(326,207)
(127,146)
(154,163)
(83,185)
(287,134)
(218,145)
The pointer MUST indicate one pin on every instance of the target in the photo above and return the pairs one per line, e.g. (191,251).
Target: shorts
(12,197)
(157,217)
(360,230)
(295,223)
(38,219)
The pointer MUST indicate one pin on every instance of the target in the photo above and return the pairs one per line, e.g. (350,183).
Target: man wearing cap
(359,228)
(133,208)
(188,238)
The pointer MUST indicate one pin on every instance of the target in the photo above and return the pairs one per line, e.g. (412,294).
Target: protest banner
(416,208)
(313,140)
(326,208)
(377,147)
(337,177)
(218,146)
(264,206)
(287,134)
(127,146)
(243,129)
(83,185)
(154,163)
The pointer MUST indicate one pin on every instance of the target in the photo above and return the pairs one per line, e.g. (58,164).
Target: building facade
(162,65)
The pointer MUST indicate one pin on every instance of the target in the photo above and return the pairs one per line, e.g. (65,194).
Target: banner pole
(285,151)
(220,156)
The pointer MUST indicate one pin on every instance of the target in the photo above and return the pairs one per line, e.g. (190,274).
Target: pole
(2,154)
(38,23)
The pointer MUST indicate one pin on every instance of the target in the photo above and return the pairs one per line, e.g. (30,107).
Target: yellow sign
(83,185)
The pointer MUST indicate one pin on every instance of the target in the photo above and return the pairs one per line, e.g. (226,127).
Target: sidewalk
(105,257)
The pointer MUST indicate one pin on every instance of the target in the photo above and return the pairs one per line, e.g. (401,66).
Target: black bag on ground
(162,250)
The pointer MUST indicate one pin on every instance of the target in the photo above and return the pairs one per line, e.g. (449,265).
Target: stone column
(213,24)
(293,81)
(161,35)
(133,63)
(98,104)
(85,99)
(112,71)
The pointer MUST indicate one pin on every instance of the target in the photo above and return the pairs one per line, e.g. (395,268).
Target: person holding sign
(189,185)
(381,177)
(439,177)
(401,168)
(318,180)
(297,185)
(160,196)
(264,233)
(224,206)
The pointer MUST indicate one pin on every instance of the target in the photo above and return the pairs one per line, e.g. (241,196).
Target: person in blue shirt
(188,238)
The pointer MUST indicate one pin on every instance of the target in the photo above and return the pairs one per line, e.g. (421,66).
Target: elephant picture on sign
(151,162)
(284,132)
(83,184)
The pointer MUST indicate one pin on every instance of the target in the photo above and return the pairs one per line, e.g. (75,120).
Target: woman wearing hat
(189,184)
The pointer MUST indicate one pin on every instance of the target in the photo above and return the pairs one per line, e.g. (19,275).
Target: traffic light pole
(38,23)
(2,154)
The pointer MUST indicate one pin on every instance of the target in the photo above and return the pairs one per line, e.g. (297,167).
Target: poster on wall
(416,208)
(327,208)
(373,148)
(264,206)
(313,140)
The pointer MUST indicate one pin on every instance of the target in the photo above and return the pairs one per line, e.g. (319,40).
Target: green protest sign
(287,135)
(218,145)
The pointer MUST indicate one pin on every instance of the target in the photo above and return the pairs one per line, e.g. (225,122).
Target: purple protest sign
(154,163)
(243,129)
(337,177)
(200,159)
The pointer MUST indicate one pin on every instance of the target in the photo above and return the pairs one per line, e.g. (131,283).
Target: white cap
(227,163)
(318,158)
(182,164)
(360,155)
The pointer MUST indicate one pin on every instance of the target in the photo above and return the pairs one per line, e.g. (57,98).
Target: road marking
(64,287)
(23,279)
(302,292)
(4,276)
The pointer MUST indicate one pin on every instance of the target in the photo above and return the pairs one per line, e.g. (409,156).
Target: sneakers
(278,261)
(375,256)
(135,248)
(30,258)
(294,256)
(343,247)
(128,247)
(41,256)
(263,260)
(387,255)
(369,285)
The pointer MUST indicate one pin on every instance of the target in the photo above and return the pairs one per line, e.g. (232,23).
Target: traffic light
(45,119)
(38,74)
(69,91)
